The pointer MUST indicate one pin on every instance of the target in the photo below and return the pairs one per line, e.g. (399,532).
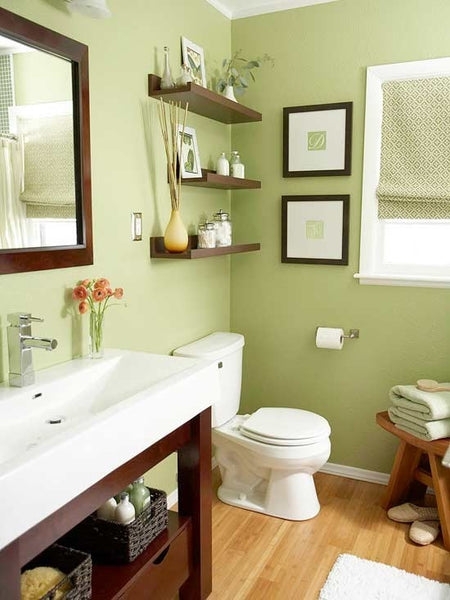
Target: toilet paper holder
(353,334)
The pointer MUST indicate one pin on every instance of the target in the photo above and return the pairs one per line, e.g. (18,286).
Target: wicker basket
(114,543)
(76,565)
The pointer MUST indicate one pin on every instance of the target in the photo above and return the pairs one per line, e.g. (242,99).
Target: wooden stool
(418,465)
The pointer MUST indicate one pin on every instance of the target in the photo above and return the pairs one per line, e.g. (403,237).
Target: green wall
(169,303)
(41,77)
(321,54)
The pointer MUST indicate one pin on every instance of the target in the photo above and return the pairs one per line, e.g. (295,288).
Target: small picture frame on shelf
(194,58)
(188,153)
(317,140)
(315,229)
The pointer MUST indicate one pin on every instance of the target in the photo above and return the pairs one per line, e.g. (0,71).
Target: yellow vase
(175,236)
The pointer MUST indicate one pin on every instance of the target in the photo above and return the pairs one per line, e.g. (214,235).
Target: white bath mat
(353,578)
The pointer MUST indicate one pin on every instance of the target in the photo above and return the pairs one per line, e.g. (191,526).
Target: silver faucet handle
(21,319)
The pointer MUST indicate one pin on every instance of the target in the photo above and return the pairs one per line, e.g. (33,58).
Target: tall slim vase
(175,236)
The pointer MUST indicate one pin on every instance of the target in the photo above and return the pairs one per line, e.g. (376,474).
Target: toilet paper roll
(330,337)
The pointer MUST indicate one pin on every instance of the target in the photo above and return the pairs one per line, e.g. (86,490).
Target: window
(399,251)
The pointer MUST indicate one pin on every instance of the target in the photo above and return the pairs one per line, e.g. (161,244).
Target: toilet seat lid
(285,426)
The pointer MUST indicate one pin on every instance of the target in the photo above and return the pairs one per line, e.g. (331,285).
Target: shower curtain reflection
(15,230)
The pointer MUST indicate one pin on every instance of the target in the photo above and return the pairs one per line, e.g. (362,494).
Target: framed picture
(194,58)
(317,140)
(315,229)
(188,153)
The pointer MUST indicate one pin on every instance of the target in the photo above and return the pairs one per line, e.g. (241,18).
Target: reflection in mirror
(37,173)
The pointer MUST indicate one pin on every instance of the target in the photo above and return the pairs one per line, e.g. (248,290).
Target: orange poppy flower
(79,292)
(83,307)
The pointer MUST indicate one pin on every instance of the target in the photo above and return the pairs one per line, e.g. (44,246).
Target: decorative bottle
(124,512)
(206,235)
(237,168)
(223,166)
(223,229)
(107,510)
(167,79)
(139,496)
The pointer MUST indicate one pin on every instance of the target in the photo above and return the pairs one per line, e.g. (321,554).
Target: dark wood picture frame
(346,170)
(17,260)
(344,200)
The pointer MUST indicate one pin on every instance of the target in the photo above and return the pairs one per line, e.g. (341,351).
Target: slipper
(407,513)
(424,532)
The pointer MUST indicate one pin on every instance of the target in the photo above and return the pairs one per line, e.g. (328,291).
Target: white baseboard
(355,473)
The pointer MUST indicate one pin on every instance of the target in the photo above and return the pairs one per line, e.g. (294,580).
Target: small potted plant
(237,72)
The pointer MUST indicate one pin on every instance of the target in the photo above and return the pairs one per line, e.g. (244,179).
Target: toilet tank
(226,350)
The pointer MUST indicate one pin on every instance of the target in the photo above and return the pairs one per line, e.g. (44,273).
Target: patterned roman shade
(415,150)
(49,183)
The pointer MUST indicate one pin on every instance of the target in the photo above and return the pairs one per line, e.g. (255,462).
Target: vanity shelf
(157,249)
(210,179)
(204,102)
(156,571)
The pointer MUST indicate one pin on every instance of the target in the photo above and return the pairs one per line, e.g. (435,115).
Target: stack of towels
(423,414)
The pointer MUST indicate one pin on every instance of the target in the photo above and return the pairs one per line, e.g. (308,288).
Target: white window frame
(370,248)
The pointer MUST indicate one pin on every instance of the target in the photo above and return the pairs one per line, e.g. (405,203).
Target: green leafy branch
(237,71)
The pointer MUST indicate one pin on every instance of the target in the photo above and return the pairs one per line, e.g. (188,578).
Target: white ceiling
(237,9)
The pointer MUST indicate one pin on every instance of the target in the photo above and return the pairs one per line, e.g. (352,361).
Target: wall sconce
(97,9)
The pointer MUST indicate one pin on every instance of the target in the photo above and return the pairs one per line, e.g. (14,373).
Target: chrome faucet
(20,343)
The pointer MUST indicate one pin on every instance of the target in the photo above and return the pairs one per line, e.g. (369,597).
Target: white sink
(83,419)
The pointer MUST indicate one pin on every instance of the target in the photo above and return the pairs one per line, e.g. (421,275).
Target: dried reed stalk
(168,120)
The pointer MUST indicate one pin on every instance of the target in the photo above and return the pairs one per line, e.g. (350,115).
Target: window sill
(403,280)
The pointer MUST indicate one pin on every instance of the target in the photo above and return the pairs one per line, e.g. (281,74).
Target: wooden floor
(256,557)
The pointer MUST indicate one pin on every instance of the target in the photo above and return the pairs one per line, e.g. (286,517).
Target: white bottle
(107,510)
(124,512)
(223,166)
(237,168)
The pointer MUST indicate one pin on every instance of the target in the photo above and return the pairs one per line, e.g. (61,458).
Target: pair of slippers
(424,521)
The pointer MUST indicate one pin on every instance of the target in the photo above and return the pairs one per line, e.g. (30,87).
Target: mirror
(45,195)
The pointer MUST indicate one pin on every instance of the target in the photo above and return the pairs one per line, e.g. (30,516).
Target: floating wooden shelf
(157,249)
(110,581)
(204,102)
(210,179)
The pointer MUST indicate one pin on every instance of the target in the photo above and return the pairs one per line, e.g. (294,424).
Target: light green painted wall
(321,54)
(41,77)
(169,303)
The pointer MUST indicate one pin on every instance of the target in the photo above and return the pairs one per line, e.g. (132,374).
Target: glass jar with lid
(207,235)
(236,167)
(223,228)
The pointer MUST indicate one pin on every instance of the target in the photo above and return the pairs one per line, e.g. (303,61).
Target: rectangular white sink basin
(83,419)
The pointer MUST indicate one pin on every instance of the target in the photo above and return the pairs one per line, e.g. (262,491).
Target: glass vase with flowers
(95,295)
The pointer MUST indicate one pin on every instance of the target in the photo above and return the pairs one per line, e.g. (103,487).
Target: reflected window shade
(49,190)
(415,150)
(6,90)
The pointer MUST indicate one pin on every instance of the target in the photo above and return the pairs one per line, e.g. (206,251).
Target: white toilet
(266,459)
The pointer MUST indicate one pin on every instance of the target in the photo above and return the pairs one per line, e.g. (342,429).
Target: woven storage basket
(114,543)
(76,565)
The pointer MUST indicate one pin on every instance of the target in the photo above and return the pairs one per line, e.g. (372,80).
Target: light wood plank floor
(256,557)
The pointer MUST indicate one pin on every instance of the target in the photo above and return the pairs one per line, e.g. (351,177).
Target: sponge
(35,583)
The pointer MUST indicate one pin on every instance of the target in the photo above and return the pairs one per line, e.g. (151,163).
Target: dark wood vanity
(178,560)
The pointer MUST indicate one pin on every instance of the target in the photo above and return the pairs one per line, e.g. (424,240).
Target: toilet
(266,459)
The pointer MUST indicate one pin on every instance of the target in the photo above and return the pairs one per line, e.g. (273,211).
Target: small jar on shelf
(223,166)
(207,235)
(223,229)
(236,167)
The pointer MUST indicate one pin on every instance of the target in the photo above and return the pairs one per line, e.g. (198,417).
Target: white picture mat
(185,46)
(331,213)
(331,121)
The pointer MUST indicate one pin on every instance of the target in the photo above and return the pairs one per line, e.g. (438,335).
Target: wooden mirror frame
(17,260)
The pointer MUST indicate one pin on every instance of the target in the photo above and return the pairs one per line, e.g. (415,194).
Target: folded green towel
(430,406)
(425,430)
